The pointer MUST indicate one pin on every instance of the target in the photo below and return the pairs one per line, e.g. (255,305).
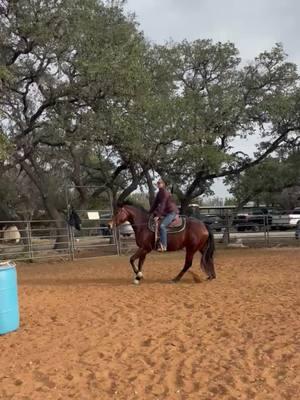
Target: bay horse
(195,237)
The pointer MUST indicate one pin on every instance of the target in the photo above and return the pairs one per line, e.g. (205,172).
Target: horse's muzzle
(110,224)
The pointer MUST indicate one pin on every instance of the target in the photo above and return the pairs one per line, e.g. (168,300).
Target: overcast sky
(253,26)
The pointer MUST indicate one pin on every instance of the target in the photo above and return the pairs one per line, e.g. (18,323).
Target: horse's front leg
(135,256)
(142,258)
(136,270)
(140,255)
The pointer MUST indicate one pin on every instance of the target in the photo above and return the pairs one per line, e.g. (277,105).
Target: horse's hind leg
(188,263)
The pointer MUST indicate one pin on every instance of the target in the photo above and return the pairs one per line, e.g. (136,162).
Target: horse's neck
(138,219)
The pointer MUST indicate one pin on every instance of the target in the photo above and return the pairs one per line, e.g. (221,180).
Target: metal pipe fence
(48,239)
(234,231)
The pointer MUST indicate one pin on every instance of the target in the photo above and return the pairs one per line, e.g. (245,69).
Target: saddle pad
(176,226)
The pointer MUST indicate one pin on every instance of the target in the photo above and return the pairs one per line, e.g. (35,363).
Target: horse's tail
(207,260)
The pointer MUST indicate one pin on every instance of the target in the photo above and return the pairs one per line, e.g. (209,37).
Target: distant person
(164,208)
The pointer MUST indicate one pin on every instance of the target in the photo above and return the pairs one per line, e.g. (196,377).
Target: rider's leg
(163,229)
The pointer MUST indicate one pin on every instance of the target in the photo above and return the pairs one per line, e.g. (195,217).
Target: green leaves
(266,181)
(85,98)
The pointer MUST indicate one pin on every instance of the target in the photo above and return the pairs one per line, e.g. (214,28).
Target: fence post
(267,228)
(226,234)
(71,242)
(116,236)
(29,238)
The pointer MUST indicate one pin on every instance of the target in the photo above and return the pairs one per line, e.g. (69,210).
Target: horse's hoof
(140,275)
(210,278)
(136,281)
(173,281)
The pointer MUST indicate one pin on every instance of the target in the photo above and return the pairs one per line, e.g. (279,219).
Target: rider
(164,207)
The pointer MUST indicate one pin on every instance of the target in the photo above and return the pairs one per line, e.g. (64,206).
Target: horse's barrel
(9,306)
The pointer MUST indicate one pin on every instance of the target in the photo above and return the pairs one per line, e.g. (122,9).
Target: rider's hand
(156,219)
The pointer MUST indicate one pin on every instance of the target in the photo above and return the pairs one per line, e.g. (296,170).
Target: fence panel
(38,239)
(95,238)
(232,230)
(46,239)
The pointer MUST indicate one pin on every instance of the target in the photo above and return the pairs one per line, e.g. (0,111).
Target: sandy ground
(87,333)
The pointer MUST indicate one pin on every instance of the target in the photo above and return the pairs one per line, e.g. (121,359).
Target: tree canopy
(87,100)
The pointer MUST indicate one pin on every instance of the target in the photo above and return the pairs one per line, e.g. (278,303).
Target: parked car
(215,222)
(125,229)
(104,228)
(10,234)
(286,220)
(253,221)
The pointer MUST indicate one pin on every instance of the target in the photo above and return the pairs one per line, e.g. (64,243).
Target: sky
(253,26)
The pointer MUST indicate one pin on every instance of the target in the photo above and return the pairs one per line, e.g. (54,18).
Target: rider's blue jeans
(163,227)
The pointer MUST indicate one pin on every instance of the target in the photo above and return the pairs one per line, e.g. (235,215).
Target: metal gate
(95,238)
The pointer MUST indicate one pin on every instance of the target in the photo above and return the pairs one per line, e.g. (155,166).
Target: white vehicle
(286,220)
(126,229)
(11,234)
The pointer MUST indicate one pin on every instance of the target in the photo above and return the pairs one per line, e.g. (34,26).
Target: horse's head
(120,216)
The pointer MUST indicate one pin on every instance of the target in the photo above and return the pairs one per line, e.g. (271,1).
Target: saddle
(177,225)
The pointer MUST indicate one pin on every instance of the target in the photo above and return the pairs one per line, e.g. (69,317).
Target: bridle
(122,213)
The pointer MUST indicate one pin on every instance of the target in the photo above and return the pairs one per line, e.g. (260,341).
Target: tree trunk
(136,178)
(151,189)
(36,176)
(184,203)
(62,233)
(195,190)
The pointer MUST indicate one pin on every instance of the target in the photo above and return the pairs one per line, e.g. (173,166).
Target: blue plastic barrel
(9,306)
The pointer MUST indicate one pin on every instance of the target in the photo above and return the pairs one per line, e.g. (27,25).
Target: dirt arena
(87,333)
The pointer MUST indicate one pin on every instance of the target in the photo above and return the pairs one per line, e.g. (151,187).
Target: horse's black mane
(134,204)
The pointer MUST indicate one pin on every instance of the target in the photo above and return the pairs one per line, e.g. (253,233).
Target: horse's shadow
(66,281)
